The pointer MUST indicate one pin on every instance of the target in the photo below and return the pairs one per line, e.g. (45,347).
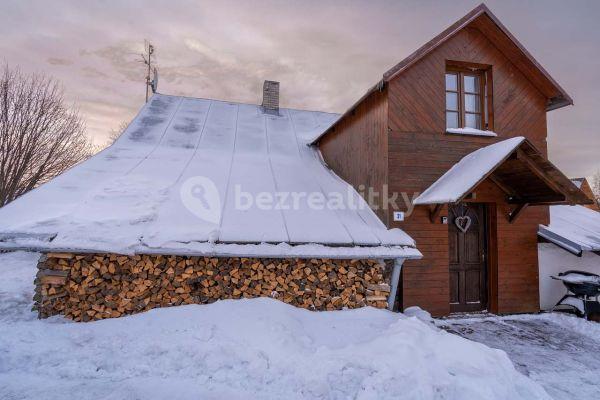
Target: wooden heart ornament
(463,223)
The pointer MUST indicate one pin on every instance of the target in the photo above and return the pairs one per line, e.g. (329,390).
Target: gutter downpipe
(395,281)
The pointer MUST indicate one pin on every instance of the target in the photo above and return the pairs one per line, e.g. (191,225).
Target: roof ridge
(243,103)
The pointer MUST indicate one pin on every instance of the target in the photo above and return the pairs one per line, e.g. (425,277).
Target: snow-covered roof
(149,191)
(468,172)
(574,228)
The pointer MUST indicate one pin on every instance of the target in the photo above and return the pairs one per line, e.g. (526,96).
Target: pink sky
(324,53)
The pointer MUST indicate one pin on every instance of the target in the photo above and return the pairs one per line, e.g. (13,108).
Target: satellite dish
(154,82)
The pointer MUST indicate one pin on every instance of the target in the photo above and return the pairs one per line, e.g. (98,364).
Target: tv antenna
(151,81)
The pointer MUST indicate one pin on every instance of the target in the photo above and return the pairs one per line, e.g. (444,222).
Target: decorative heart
(463,223)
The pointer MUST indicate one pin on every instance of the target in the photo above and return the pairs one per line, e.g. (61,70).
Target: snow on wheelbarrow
(583,287)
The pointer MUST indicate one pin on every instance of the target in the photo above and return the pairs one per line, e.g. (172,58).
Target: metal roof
(170,184)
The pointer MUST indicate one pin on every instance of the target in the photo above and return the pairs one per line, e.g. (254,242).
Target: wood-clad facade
(420,152)
(358,148)
(396,136)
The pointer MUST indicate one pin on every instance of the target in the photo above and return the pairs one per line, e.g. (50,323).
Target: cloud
(325,53)
(211,55)
(59,61)
(91,72)
(124,57)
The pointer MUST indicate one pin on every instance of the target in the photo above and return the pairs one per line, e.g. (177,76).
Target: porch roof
(516,167)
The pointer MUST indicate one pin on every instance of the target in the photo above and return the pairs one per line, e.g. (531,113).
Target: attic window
(468,98)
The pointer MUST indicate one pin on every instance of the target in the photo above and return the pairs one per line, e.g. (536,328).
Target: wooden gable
(483,20)
(509,51)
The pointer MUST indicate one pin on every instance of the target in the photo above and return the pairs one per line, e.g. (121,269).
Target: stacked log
(86,287)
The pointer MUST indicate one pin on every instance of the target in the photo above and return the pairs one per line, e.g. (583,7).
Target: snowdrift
(258,348)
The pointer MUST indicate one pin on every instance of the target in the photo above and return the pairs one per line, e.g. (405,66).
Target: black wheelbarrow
(583,287)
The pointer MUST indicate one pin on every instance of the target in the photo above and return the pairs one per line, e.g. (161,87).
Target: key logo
(200,196)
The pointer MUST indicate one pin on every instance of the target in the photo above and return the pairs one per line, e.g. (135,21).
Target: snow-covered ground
(559,351)
(240,349)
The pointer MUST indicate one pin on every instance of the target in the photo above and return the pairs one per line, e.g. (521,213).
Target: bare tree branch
(39,136)
(115,133)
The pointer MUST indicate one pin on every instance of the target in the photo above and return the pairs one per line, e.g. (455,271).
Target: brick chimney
(270,101)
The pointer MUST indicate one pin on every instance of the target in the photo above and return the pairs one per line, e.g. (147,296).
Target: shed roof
(574,228)
(168,185)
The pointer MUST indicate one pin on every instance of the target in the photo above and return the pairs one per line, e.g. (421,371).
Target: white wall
(552,260)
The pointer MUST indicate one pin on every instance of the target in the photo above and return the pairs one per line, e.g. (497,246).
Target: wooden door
(467,241)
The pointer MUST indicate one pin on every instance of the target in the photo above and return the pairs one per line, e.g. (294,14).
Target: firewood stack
(97,286)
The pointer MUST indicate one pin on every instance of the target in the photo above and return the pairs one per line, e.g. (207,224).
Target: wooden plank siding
(420,152)
(357,149)
(516,251)
(417,96)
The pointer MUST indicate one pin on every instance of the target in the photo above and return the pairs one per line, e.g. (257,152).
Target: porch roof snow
(130,197)
(574,228)
(468,172)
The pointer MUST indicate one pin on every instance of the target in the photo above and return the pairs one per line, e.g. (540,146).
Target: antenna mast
(147,59)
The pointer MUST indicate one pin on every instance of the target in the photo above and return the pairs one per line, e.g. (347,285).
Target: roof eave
(351,252)
(560,241)
(559,102)
(435,42)
(379,86)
